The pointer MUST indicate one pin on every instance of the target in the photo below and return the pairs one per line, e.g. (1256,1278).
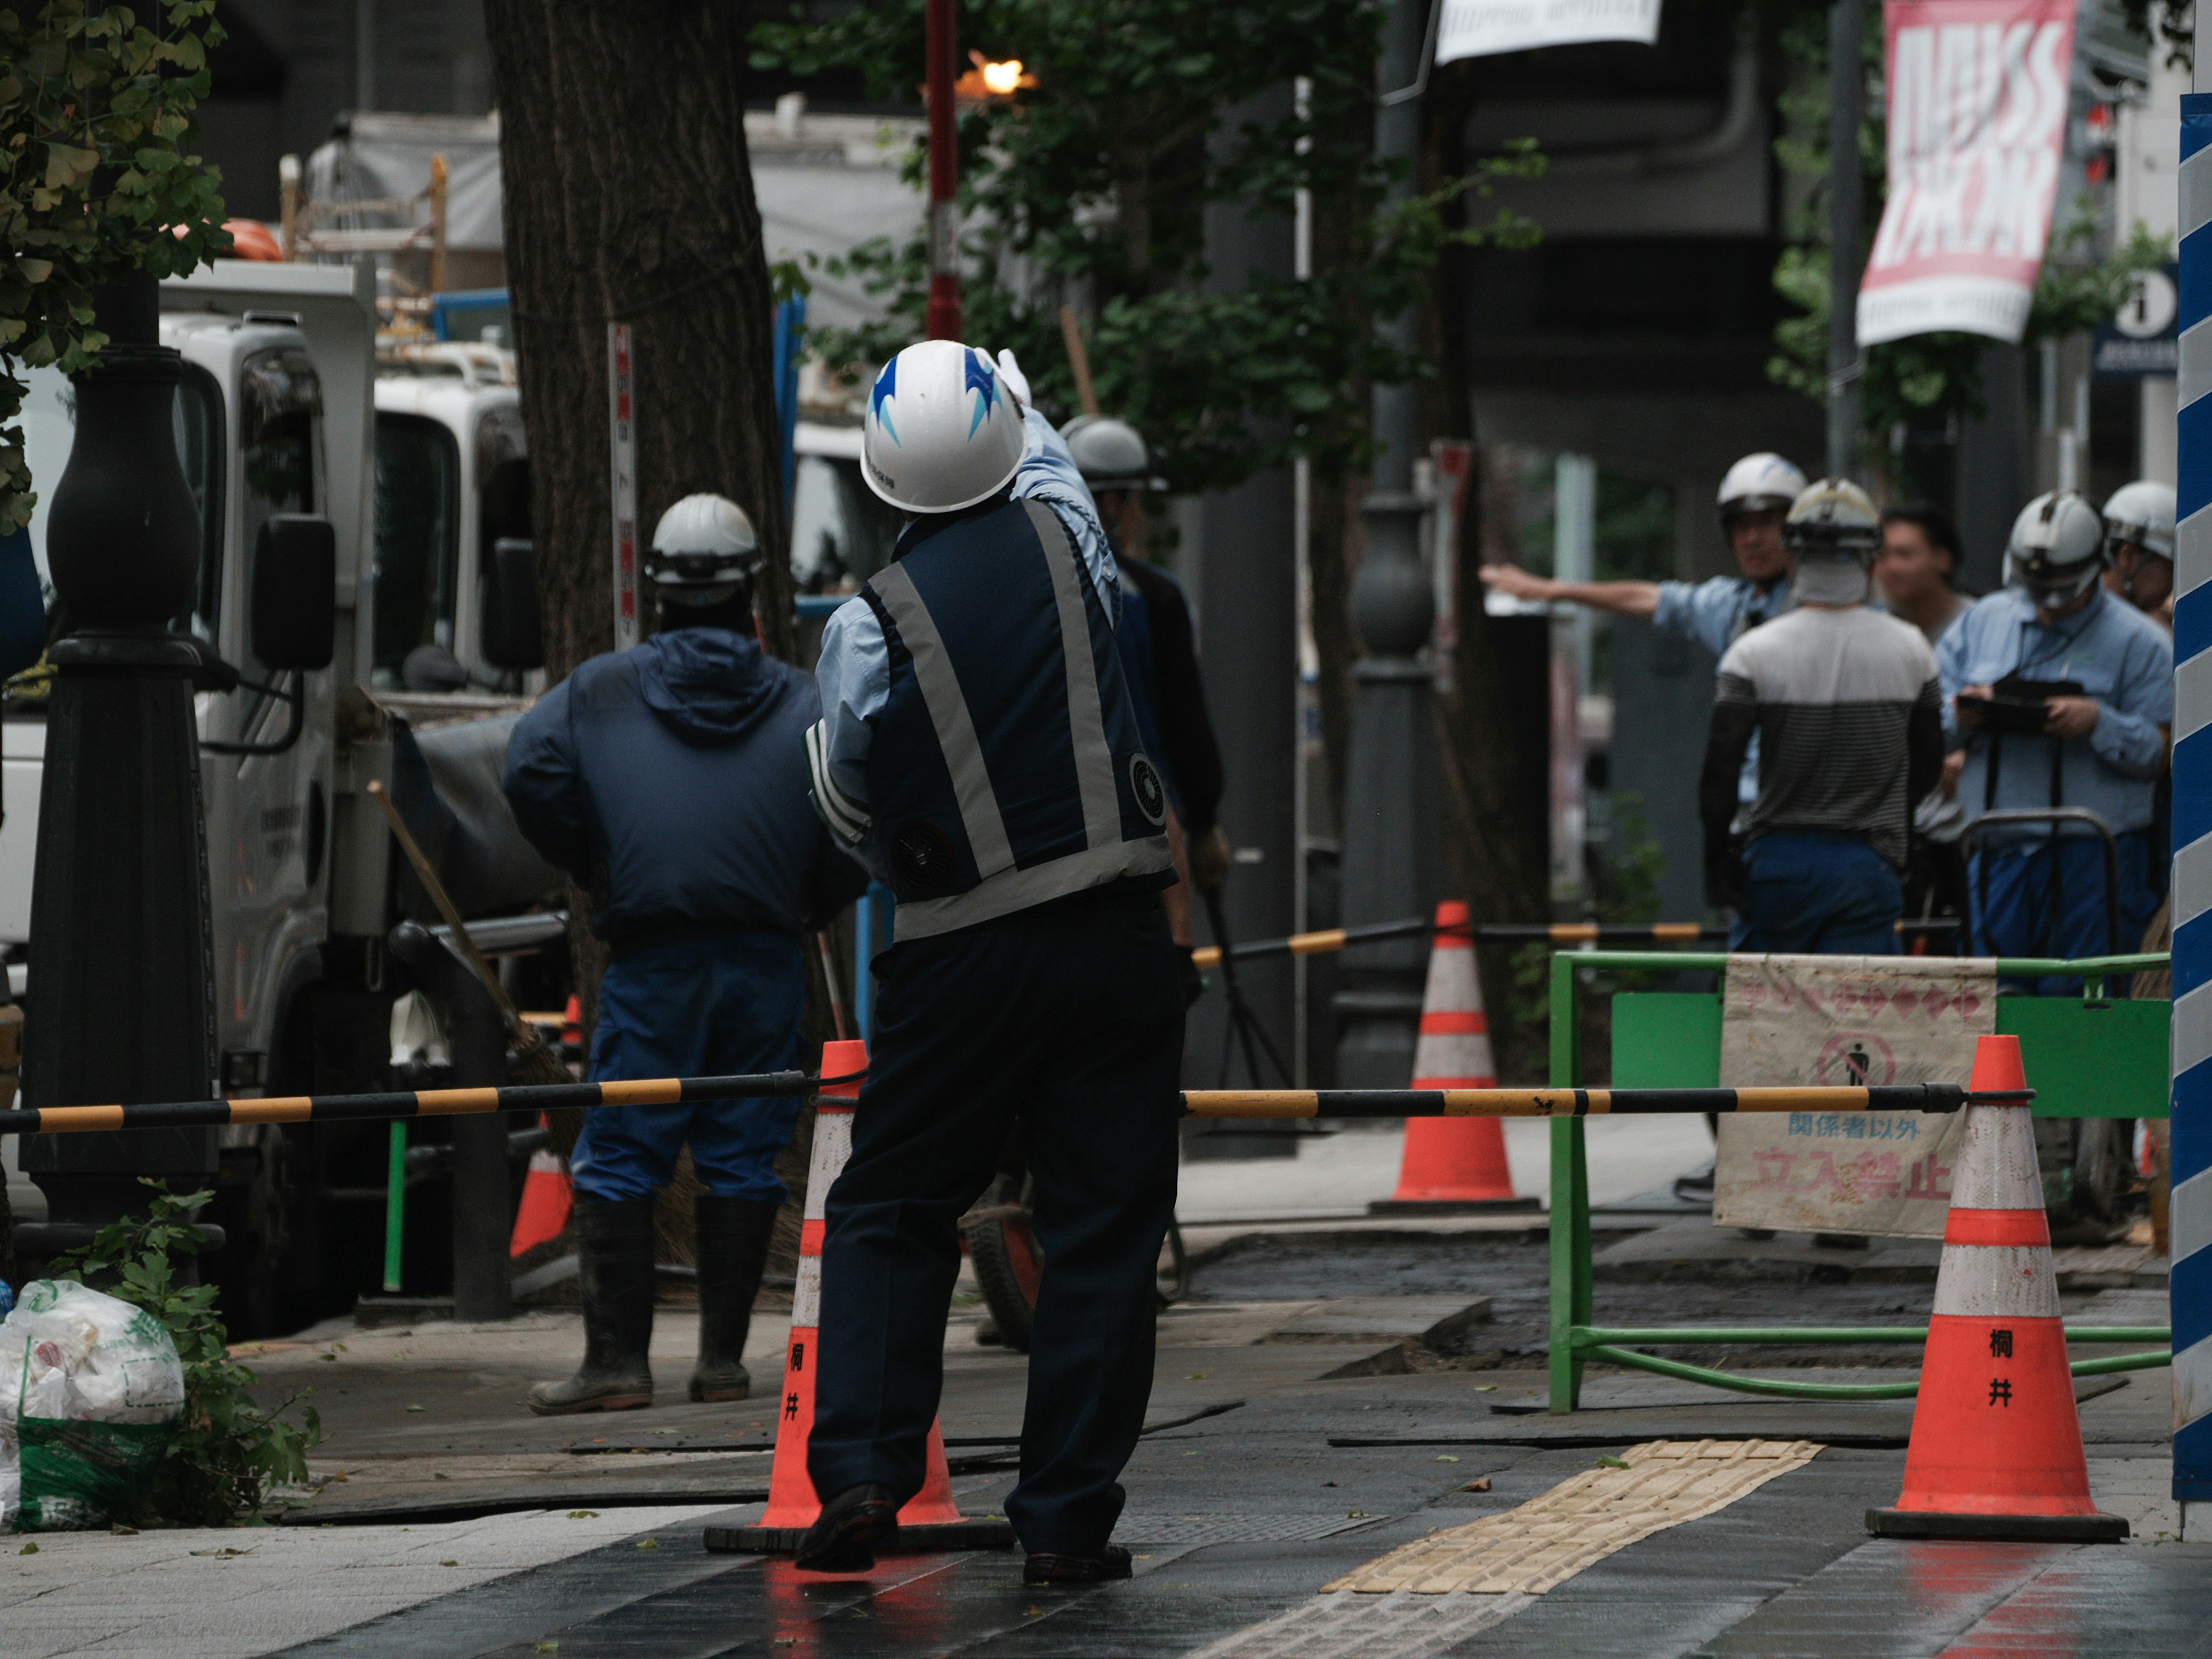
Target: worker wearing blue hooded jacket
(2037,889)
(670,779)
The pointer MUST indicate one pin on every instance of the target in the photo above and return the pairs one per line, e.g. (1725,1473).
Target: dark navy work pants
(2016,913)
(1817,895)
(1068,1017)
(715,1004)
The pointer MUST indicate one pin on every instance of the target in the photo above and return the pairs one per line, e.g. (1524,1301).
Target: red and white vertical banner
(1977,92)
(622,424)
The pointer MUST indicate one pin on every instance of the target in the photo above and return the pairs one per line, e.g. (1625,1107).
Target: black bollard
(121,957)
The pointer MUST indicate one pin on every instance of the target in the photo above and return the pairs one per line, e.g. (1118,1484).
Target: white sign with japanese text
(1483,28)
(1977,92)
(1839,1021)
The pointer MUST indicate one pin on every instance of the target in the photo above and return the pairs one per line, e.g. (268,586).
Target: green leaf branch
(228,1452)
(1095,187)
(97,180)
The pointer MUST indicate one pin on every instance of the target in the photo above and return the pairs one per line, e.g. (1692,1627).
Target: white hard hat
(2057,546)
(702,547)
(942,431)
(1832,518)
(1764,482)
(2143,513)
(1110,454)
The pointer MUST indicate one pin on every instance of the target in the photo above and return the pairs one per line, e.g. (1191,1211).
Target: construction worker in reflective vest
(670,779)
(978,747)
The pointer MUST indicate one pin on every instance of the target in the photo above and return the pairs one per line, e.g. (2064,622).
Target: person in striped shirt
(1847,709)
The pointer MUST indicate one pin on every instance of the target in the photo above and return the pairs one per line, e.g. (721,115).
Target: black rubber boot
(732,1236)
(614,1248)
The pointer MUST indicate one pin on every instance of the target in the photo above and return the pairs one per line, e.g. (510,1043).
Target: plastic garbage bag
(90,1392)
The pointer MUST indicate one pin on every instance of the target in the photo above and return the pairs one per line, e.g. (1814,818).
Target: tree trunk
(630,198)
(1495,865)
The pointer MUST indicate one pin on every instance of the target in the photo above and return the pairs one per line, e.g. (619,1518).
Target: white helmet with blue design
(942,431)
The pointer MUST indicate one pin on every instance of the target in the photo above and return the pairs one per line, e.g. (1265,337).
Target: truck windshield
(418,540)
(840,533)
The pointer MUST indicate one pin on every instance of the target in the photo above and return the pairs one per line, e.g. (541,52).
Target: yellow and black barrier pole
(1559,934)
(1197,1102)
(1581,1102)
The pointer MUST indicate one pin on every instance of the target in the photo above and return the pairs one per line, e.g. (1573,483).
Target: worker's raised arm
(1618,599)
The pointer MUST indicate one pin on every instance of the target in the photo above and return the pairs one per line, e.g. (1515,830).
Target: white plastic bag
(73,1356)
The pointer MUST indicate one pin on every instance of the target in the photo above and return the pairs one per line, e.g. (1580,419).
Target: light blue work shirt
(854,672)
(2120,658)
(1716,613)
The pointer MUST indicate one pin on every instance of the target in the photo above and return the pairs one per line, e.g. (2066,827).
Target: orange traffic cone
(1996,1438)
(1453,1165)
(547,1198)
(931,1520)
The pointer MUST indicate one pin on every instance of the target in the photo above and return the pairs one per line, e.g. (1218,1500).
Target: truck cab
(275,415)
(271,418)
(452,479)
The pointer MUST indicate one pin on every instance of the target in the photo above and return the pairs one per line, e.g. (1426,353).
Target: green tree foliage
(227,1451)
(1094,187)
(97,180)
(1927,376)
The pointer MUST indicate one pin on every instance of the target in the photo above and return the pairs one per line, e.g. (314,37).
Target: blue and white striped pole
(2192,1212)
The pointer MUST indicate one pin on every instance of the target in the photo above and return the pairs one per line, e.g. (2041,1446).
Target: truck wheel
(1008,1259)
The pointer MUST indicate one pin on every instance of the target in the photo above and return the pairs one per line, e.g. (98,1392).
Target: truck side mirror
(513,632)
(293,617)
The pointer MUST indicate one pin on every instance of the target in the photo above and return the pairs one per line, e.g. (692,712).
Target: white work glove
(1017,382)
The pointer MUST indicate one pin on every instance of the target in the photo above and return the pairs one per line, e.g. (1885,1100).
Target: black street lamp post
(121,1005)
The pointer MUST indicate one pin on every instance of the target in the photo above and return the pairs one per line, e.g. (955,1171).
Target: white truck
(282,412)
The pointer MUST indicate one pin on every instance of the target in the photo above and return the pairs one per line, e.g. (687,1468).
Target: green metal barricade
(2084,1057)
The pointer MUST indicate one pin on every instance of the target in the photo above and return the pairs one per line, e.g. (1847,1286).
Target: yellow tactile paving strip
(1548,1539)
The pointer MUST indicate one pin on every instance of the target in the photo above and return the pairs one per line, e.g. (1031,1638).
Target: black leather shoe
(851,1526)
(1112,1562)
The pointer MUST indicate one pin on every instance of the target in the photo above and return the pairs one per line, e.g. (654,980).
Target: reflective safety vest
(1006,769)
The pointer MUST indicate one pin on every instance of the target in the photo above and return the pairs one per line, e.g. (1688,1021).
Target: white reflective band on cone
(1997,1167)
(1997,1281)
(807,1294)
(833,1145)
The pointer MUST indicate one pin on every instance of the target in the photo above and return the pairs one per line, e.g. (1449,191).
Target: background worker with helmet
(1845,703)
(1754,498)
(670,779)
(2139,543)
(979,745)
(2060,696)
(1159,653)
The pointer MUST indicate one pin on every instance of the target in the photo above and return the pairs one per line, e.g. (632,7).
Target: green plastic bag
(76,1475)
